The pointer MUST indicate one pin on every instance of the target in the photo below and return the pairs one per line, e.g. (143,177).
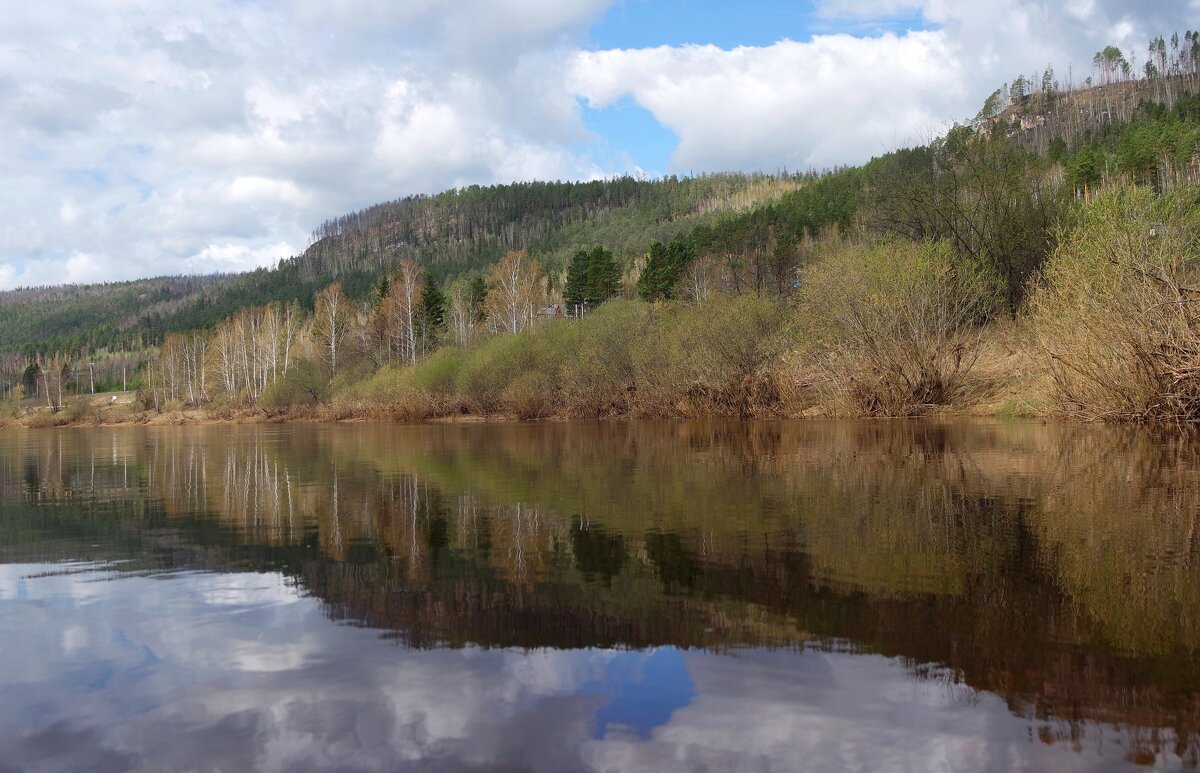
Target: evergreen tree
(29,379)
(479,290)
(593,277)
(383,289)
(575,291)
(663,269)
(603,276)
(431,315)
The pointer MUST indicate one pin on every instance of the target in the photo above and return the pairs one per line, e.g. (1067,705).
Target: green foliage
(479,292)
(431,315)
(383,289)
(664,266)
(433,306)
(593,277)
(29,379)
(1155,148)
(307,383)
(994,202)
(625,357)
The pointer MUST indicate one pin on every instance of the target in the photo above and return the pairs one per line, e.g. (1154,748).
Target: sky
(143,138)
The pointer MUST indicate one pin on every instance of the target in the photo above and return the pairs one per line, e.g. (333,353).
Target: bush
(1117,314)
(438,372)
(597,376)
(10,408)
(895,325)
(725,352)
(627,357)
(79,411)
(530,395)
(489,368)
(45,420)
(307,383)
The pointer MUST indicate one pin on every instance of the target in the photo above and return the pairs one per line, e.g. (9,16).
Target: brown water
(645,596)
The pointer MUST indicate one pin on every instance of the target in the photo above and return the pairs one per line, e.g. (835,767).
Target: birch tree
(515,292)
(333,320)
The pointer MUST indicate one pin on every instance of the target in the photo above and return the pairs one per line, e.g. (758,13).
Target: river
(908,595)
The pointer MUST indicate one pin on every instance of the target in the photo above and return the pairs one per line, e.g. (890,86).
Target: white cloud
(145,138)
(141,139)
(833,100)
(839,99)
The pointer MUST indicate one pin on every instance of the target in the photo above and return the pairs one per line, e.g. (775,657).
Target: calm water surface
(559,597)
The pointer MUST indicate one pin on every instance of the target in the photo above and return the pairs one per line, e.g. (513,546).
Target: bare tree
(516,292)
(333,320)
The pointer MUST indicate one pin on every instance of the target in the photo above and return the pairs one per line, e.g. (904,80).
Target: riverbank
(1006,384)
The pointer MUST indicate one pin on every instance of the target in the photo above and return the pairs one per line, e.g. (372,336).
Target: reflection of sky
(242,671)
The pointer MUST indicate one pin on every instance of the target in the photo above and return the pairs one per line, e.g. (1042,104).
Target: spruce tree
(383,288)
(431,315)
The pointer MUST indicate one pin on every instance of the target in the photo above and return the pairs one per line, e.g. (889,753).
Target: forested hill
(1035,144)
(451,233)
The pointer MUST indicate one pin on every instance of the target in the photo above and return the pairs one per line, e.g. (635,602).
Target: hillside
(450,233)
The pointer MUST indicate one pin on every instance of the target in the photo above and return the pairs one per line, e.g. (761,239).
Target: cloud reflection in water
(111,671)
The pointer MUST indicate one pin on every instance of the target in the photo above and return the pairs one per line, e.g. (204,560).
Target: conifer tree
(604,276)
(593,277)
(575,290)
(479,291)
(663,269)
(431,315)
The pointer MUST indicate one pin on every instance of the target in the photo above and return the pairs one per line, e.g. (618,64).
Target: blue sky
(645,24)
(649,23)
(147,137)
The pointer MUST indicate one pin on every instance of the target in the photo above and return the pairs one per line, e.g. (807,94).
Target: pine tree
(575,292)
(593,277)
(603,277)
(663,269)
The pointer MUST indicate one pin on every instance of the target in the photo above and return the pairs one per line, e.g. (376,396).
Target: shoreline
(382,414)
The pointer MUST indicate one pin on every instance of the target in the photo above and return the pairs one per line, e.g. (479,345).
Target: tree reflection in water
(1053,566)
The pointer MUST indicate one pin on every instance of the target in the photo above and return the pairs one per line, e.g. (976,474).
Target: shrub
(1118,311)
(725,352)
(438,373)
(596,374)
(895,325)
(307,383)
(45,420)
(79,411)
(488,369)
(530,395)
(11,408)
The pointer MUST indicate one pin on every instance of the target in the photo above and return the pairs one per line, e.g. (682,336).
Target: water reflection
(866,594)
